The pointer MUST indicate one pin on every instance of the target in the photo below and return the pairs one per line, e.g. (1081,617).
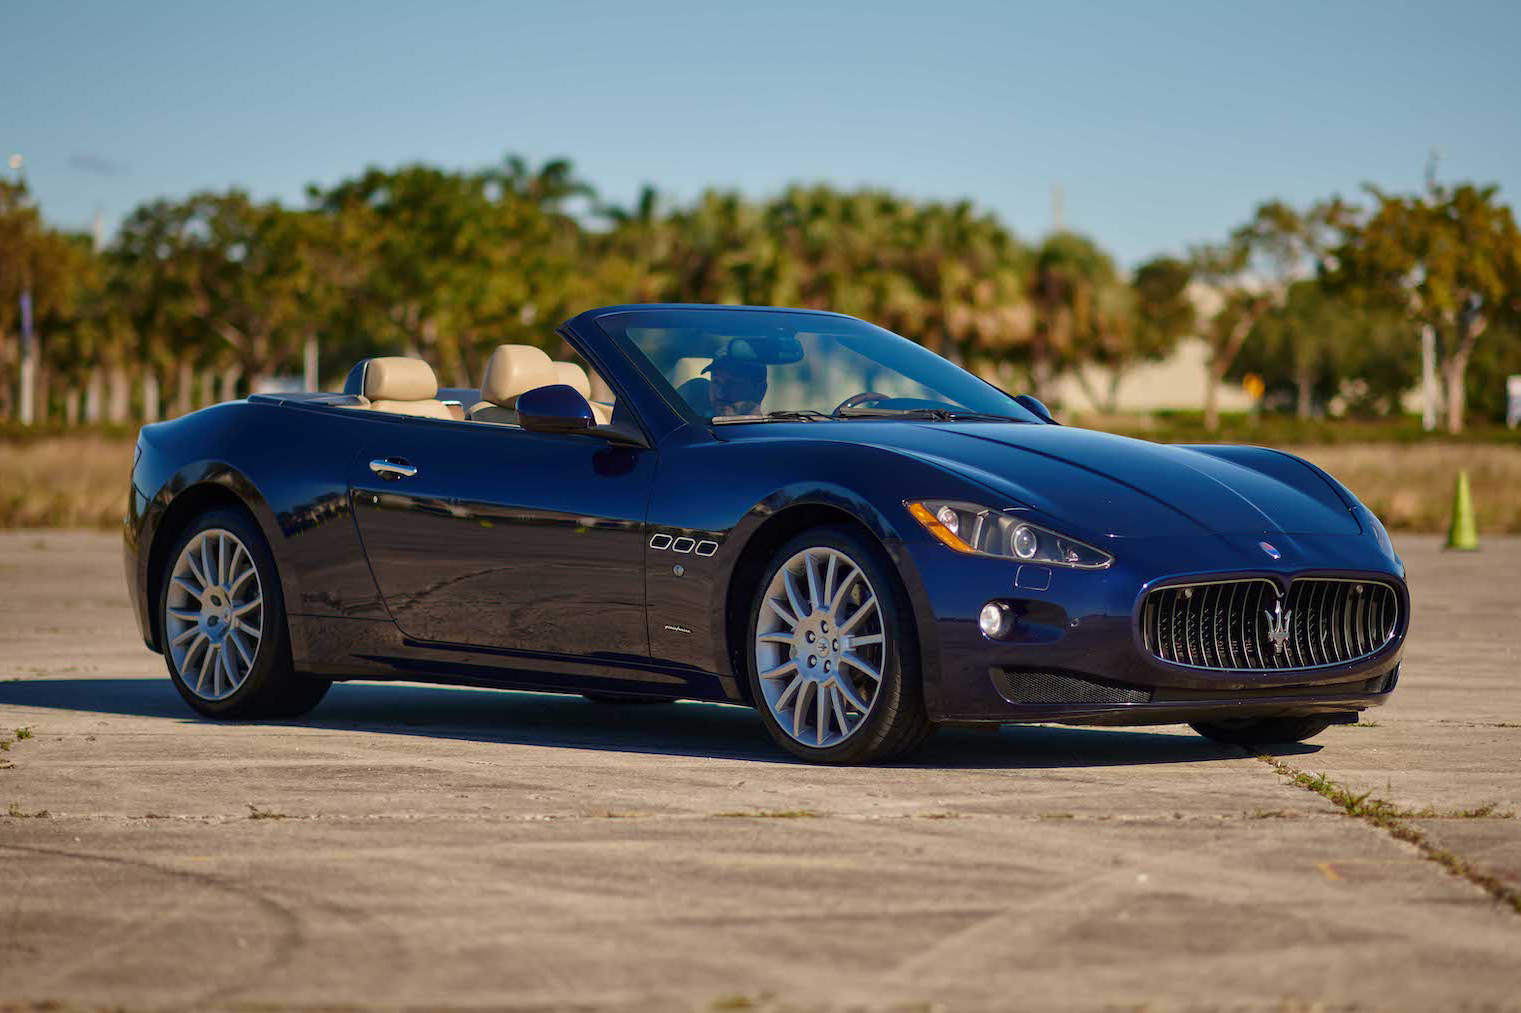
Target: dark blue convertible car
(788,509)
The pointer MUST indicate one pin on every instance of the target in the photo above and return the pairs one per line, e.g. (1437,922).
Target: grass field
(80,480)
(76,481)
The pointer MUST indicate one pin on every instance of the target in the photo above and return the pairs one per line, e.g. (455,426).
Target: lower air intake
(1023,685)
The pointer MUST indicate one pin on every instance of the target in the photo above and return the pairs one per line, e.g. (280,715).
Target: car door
(491,536)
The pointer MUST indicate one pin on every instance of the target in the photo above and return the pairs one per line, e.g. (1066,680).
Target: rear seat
(404,386)
(400,386)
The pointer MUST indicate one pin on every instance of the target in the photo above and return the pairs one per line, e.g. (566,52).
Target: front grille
(1243,625)
(1024,685)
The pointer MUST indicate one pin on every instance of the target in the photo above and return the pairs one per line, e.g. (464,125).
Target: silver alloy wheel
(820,647)
(214,614)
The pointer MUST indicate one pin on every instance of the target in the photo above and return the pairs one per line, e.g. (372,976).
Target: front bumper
(1079,629)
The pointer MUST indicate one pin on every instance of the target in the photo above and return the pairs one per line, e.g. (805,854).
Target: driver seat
(511,370)
(574,377)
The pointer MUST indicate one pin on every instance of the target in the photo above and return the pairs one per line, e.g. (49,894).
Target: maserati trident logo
(1268,548)
(1278,626)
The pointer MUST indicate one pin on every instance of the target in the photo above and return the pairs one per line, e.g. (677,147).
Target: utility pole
(26,403)
(1428,333)
(1428,378)
(1057,223)
(1433,159)
(309,381)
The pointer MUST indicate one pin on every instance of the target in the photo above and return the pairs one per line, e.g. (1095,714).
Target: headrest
(512,369)
(396,378)
(574,377)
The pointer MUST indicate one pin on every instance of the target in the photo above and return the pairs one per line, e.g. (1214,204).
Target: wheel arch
(773,527)
(188,495)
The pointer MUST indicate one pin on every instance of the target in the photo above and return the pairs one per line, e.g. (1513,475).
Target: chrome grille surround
(1227,625)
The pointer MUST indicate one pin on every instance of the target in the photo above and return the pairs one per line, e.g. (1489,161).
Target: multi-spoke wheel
(214,619)
(223,623)
(833,655)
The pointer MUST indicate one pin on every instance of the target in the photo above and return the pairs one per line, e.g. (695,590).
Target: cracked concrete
(430,847)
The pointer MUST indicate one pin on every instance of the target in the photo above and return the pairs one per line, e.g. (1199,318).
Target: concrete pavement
(415,846)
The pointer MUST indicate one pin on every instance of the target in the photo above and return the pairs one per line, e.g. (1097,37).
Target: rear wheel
(222,617)
(833,655)
(1262,731)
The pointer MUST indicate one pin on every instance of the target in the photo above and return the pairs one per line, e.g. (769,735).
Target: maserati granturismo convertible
(791,510)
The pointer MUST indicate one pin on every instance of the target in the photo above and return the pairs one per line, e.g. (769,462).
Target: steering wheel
(861,398)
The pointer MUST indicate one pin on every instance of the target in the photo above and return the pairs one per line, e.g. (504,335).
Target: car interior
(406,386)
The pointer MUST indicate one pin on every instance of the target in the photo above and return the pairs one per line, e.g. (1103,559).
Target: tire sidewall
(902,649)
(273,659)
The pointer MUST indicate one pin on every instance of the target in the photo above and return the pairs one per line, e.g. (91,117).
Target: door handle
(392,468)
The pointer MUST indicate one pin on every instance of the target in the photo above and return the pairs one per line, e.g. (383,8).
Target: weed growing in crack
(1391,819)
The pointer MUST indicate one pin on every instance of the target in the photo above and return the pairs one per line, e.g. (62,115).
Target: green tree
(1251,272)
(1141,321)
(1322,343)
(456,263)
(1081,308)
(216,278)
(57,268)
(1451,257)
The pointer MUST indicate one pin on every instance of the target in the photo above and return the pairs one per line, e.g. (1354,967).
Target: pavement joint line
(1392,820)
(572,817)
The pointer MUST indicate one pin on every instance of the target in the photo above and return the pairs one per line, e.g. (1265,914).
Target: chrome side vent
(1244,625)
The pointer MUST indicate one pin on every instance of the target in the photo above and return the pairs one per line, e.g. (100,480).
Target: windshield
(717,364)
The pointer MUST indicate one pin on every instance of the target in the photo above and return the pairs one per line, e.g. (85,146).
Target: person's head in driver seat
(738,383)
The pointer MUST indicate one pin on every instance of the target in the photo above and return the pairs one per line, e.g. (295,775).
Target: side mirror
(554,409)
(1034,406)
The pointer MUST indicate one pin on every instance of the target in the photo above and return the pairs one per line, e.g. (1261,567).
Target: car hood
(1119,486)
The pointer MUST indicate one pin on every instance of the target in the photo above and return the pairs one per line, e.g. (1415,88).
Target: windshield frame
(614,326)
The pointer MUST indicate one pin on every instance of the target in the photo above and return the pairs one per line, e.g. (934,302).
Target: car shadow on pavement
(683,729)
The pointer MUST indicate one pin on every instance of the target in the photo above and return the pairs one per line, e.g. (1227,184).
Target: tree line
(201,298)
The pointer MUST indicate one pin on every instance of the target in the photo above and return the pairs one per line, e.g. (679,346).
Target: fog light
(993,620)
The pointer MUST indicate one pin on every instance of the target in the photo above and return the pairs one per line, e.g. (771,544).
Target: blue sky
(1163,123)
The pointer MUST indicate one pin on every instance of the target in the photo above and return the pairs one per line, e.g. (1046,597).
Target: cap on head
(738,354)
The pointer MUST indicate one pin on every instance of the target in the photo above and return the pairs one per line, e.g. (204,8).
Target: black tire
(896,722)
(1262,731)
(272,687)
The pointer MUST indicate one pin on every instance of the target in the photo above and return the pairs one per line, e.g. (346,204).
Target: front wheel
(833,654)
(1262,731)
(222,618)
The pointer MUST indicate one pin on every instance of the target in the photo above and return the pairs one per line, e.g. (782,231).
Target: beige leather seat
(403,386)
(511,370)
(572,375)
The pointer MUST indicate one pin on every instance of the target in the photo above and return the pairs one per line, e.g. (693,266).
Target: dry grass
(64,481)
(1410,487)
(80,480)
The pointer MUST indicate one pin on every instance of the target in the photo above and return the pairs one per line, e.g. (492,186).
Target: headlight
(982,531)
